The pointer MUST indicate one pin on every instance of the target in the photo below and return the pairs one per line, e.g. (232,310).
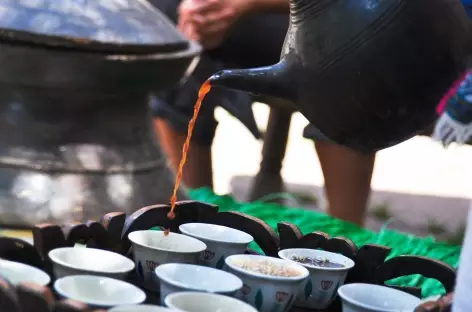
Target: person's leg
(198,169)
(172,113)
(347,174)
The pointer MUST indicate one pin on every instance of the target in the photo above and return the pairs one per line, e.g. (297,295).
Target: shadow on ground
(421,215)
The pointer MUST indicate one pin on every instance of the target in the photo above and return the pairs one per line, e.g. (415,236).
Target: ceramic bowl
(17,273)
(221,242)
(320,289)
(153,248)
(98,291)
(205,302)
(368,298)
(267,293)
(176,277)
(89,261)
(141,308)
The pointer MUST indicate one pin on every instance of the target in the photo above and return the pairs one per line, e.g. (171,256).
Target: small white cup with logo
(328,272)
(153,248)
(269,284)
(221,242)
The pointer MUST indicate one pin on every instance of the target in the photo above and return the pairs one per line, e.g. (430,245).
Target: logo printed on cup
(281,296)
(246,290)
(326,285)
(208,255)
(151,265)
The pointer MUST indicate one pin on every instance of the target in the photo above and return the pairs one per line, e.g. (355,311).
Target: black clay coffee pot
(76,136)
(367,73)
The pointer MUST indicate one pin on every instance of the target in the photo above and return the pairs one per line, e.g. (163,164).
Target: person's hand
(207,21)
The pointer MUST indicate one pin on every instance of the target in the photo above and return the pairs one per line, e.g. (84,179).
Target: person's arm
(208,21)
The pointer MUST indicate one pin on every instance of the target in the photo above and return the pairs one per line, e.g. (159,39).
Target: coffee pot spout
(270,81)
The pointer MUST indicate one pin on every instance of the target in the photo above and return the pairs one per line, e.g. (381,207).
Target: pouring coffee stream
(367,74)
(204,90)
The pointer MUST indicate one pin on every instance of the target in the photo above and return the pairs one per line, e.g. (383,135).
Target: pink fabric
(442,105)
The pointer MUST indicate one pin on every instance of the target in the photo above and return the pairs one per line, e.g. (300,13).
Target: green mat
(309,221)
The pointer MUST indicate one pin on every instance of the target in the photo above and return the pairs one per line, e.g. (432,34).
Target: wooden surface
(111,232)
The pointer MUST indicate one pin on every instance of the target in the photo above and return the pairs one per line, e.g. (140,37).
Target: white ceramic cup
(205,302)
(221,242)
(17,273)
(98,292)
(369,298)
(267,293)
(320,289)
(141,308)
(177,277)
(153,248)
(89,261)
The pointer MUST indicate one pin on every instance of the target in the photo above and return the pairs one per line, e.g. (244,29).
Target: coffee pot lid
(110,26)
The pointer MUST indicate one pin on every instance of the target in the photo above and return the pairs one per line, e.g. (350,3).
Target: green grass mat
(309,221)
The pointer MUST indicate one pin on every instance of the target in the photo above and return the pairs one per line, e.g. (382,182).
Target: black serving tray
(111,232)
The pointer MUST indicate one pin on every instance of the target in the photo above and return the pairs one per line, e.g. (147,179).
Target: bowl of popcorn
(269,284)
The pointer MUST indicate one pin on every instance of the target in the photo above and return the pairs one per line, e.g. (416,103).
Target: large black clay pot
(367,73)
(76,138)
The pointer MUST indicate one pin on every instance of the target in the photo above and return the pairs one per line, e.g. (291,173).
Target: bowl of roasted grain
(269,284)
